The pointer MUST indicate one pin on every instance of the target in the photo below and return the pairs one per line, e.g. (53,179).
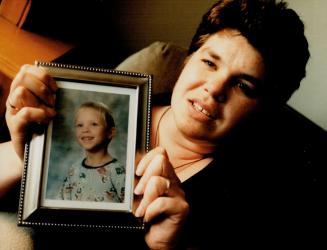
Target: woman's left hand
(163,205)
(30,103)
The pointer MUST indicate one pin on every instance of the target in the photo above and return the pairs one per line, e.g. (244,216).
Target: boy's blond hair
(103,110)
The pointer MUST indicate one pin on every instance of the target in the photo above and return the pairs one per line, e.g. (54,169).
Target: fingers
(154,168)
(36,74)
(161,197)
(31,96)
(146,160)
(178,209)
(155,163)
(32,88)
(156,187)
(22,97)
(157,179)
(160,201)
(32,81)
(30,115)
(23,124)
(166,216)
(31,100)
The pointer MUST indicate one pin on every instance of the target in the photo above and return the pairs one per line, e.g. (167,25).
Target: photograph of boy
(97,176)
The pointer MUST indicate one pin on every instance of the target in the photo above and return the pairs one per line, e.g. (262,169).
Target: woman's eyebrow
(214,55)
(211,53)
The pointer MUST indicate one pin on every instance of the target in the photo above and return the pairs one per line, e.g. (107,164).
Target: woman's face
(218,86)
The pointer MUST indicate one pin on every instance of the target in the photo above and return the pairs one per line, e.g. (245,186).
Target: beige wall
(167,20)
(311,98)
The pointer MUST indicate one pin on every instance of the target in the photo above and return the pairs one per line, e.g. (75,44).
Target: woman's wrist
(10,167)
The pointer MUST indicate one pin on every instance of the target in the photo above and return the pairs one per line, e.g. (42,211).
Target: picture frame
(58,188)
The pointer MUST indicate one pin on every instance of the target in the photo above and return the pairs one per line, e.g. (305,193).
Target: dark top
(264,189)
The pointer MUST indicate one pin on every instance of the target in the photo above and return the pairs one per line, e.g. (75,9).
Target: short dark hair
(273,29)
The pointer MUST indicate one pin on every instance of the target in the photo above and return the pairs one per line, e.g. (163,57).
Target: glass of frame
(80,171)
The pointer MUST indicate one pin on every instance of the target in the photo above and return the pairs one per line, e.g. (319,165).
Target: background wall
(168,20)
(311,98)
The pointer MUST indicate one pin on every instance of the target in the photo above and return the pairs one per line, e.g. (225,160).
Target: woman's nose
(217,87)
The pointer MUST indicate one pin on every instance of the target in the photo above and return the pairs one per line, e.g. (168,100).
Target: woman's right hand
(163,205)
(30,101)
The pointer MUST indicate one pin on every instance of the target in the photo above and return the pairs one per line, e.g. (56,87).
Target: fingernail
(138,170)
(138,189)
(138,212)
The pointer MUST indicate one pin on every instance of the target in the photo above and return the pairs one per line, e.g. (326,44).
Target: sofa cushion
(11,236)
(162,60)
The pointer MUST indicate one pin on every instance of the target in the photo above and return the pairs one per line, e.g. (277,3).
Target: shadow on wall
(113,29)
(88,24)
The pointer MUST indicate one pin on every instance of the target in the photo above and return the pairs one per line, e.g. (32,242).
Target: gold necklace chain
(157,141)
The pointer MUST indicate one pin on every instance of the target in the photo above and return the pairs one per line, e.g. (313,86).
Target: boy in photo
(98,176)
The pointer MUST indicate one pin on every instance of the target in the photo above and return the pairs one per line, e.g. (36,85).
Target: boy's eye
(79,125)
(94,124)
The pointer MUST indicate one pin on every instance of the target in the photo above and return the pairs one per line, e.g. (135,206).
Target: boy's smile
(91,130)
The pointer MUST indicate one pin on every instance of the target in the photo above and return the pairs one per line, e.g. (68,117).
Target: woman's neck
(181,150)
(98,158)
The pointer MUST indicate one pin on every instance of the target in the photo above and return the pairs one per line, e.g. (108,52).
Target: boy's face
(91,130)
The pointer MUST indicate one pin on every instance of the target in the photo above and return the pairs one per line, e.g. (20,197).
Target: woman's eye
(246,89)
(209,63)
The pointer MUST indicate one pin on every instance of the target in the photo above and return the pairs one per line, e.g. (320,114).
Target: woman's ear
(112,133)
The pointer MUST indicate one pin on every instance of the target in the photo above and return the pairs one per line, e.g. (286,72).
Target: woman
(245,56)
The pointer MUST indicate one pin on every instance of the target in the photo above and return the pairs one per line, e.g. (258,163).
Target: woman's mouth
(199,108)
